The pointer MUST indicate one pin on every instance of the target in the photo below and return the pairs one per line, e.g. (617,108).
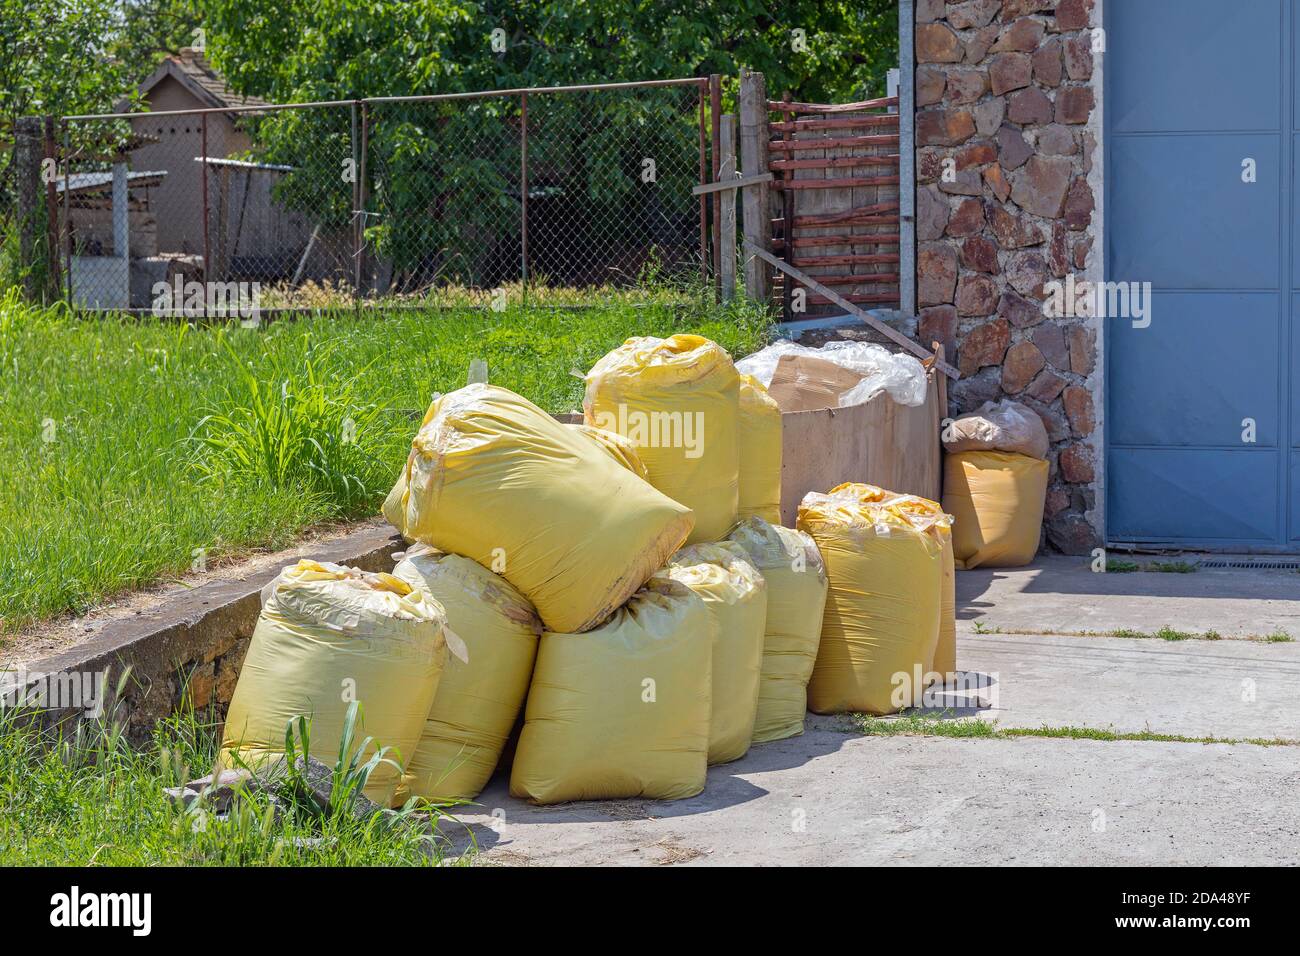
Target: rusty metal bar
(843,239)
(881,103)
(834,162)
(835,183)
(846,259)
(523,192)
(875,119)
(860,278)
(54,281)
(849,142)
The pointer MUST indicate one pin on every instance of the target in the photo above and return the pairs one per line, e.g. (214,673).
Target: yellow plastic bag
(736,595)
(882,610)
(394,508)
(494,478)
(478,701)
(996,500)
(796,598)
(928,516)
(617,447)
(760,452)
(678,401)
(329,635)
(621,711)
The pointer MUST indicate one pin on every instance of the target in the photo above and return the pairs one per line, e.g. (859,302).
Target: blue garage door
(1198,93)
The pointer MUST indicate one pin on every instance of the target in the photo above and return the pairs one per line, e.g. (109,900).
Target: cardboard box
(802,383)
(878,442)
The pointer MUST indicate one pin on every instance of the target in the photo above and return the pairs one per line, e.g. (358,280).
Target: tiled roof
(192,69)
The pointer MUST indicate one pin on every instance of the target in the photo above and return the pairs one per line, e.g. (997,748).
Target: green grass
(917,724)
(130,448)
(95,800)
(1168,633)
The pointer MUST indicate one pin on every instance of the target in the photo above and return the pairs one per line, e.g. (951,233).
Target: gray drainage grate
(1256,565)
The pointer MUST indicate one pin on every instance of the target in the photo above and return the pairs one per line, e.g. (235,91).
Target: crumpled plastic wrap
(902,376)
(998,426)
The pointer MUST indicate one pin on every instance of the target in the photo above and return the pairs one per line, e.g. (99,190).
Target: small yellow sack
(928,516)
(996,500)
(494,478)
(678,401)
(796,598)
(477,702)
(882,610)
(760,452)
(617,447)
(328,635)
(736,595)
(621,711)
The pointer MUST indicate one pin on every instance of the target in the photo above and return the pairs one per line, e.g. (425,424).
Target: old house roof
(192,70)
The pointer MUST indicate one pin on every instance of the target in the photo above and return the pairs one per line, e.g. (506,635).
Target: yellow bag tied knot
(329,635)
(678,401)
(882,609)
(494,478)
(796,599)
(477,701)
(760,452)
(623,710)
(996,500)
(736,596)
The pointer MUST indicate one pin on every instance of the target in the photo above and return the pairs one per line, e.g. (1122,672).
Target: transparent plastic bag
(902,376)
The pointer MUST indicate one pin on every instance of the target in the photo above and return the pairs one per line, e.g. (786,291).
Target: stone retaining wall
(1007,96)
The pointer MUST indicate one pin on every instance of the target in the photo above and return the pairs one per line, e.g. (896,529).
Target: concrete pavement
(1062,595)
(834,796)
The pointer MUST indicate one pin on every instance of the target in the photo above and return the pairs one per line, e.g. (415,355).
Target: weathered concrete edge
(198,631)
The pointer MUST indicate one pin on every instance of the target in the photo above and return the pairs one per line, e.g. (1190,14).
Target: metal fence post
(27,190)
(704,174)
(356,212)
(207,252)
(523,195)
(363,194)
(715,118)
(53,281)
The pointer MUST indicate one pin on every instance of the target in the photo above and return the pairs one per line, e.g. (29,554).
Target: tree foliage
(324,49)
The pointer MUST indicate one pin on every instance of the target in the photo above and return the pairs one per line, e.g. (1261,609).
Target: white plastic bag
(902,376)
(1005,426)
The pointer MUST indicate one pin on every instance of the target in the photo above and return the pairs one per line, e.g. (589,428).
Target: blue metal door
(1203,411)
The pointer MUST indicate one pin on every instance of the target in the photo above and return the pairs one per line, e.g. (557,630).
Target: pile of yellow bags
(622,583)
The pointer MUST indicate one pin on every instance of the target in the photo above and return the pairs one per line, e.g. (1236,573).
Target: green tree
(444,173)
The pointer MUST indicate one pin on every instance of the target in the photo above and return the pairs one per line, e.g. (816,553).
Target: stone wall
(1006,98)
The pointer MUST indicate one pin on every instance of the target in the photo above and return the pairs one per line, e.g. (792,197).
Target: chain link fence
(539,195)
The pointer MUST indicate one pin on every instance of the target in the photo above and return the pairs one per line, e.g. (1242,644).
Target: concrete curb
(192,644)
